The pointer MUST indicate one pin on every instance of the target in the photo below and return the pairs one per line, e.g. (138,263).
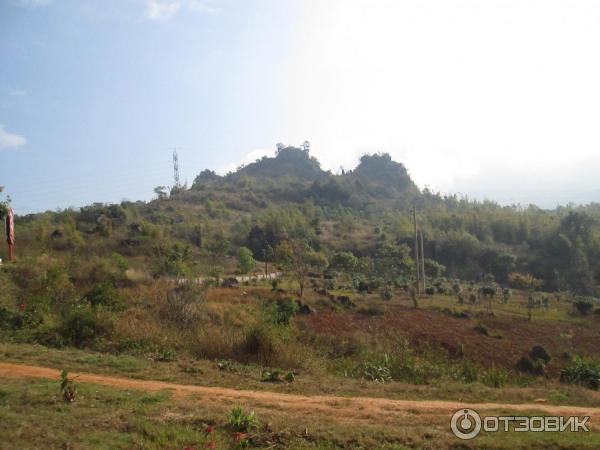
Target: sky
(492,100)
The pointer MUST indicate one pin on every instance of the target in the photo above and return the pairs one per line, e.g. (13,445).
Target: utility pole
(176,169)
(417,265)
(422,260)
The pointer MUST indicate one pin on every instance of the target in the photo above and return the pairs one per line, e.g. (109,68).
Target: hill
(172,289)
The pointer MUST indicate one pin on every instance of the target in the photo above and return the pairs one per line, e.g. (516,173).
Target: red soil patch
(434,328)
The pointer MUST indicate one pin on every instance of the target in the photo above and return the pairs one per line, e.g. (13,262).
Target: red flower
(211,445)
(209,430)
(22,306)
(189,447)
(239,436)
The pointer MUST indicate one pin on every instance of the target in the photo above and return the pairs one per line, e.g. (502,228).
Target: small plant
(378,371)
(68,391)
(495,377)
(274,285)
(241,421)
(272,376)
(227,365)
(164,355)
(482,329)
(582,372)
(282,311)
(290,377)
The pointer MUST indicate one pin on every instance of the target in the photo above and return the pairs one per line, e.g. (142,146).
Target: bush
(371,310)
(482,329)
(181,306)
(281,312)
(245,260)
(495,377)
(539,352)
(83,326)
(377,369)
(104,294)
(272,376)
(583,307)
(259,346)
(531,366)
(582,372)
(238,420)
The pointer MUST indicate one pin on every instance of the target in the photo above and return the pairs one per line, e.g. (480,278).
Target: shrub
(181,306)
(281,312)
(387,293)
(371,310)
(227,365)
(377,369)
(259,346)
(245,260)
(83,326)
(482,329)
(539,352)
(531,366)
(165,355)
(238,420)
(582,372)
(583,306)
(104,294)
(495,377)
(272,376)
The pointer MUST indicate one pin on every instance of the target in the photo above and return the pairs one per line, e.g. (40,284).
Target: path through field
(372,410)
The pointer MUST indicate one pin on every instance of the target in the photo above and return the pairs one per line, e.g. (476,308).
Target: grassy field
(34,416)
(442,351)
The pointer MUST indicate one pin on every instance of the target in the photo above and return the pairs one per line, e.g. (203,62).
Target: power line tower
(176,169)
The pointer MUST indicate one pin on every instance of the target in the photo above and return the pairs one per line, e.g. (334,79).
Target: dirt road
(340,408)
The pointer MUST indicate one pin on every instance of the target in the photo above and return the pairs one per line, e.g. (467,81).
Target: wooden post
(422,260)
(416,251)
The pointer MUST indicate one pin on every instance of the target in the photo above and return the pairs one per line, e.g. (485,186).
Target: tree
(161,192)
(268,254)
(344,262)
(392,261)
(299,259)
(4,204)
(245,260)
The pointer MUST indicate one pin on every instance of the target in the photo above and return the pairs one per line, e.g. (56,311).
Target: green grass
(32,417)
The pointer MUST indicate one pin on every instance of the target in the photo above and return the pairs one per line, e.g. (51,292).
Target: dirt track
(339,408)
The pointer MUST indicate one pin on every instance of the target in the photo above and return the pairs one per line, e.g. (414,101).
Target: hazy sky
(491,99)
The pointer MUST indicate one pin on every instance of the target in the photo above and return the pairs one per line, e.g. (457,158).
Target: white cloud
(35,3)
(10,140)
(167,9)
(161,10)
